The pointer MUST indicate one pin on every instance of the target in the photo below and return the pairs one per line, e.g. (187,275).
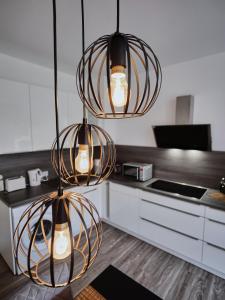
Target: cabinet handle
(215,221)
(187,213)
(181,233)
(89,191)
(215,246)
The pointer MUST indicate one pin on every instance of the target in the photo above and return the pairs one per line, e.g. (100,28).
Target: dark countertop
(25,196)
(207,199)
(21,197)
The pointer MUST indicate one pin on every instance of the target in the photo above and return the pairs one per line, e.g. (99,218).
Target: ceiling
(178,30)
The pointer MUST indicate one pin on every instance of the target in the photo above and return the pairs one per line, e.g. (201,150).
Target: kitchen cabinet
(15,132)
(214,239)
(91,193)
(43,116)
(172,240)
(9,218)
(191,231)
(123,206)
(172,223)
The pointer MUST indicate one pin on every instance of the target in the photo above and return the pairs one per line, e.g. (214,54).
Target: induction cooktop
(178,188)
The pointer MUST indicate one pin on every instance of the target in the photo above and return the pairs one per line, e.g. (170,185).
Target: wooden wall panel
(190,166)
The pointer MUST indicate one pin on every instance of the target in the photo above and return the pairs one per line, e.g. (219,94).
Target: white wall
(12,68)
(204,79)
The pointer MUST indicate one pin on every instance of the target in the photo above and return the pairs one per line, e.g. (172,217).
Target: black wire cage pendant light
(87,152)
(57,254)
(123,76)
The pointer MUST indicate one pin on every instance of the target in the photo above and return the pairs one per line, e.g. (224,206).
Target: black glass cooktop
(178,188)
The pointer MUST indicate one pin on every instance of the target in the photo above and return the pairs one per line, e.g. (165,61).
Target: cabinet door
(15,133)
(92,194)
(43,116)
(123,206)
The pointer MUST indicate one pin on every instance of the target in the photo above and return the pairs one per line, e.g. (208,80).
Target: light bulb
(82,160)
(119,86)
(62,242)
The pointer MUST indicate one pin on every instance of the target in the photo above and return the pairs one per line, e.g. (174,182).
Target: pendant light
(91,155)
(57,255)
(123,76)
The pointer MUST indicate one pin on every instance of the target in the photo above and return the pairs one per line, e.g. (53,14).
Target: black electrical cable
(118,16)
(83,56)
(60,190)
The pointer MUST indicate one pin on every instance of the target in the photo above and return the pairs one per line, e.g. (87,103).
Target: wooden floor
(167,276)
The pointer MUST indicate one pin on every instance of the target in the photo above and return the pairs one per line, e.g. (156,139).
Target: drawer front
(214,233)
(215,214)
(123,189)
(123,210)
(178,204)
(186,223)
(177,242)
(214,257)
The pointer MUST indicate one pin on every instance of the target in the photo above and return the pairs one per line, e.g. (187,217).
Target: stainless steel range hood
(184,134)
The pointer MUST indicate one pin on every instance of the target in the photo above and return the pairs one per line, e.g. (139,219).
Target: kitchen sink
(178,188)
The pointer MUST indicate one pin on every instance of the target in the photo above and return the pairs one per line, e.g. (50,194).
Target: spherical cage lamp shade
(58,254)
(122,77)
(87,155)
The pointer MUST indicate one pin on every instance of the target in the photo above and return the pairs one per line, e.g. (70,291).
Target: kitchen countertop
(25,196)
(207,199)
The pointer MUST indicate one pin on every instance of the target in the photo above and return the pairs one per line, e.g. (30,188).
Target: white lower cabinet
(177,242)
(180,221)
(189,230)
(123,206)
(214,257)
(176,226)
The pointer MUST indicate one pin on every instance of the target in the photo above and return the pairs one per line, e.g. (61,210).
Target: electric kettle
(35,177)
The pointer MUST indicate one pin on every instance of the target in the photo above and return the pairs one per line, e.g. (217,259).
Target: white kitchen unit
(27,116)
(9,218)
(191,231)
(214,239)
(15,132)
(123,206)
(43,116)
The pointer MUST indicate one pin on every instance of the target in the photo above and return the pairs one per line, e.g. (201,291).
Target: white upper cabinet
(15,132)
(43,116)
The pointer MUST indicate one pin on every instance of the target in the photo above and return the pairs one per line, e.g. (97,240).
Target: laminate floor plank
(167,276)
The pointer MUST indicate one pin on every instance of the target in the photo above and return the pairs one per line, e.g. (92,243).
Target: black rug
(112,284)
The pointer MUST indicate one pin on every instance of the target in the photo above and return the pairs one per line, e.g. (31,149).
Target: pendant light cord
(83,57)
(118,16)
(60,190)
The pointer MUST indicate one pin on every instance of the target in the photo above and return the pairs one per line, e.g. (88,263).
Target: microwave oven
(139,171)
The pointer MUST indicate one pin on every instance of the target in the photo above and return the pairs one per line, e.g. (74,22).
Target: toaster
(15,183)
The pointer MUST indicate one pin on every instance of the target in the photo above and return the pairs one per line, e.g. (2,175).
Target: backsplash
(190,166)
(16,164)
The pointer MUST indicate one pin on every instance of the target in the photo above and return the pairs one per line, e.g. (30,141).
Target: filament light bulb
(119,86)
(62,242)
(82,161)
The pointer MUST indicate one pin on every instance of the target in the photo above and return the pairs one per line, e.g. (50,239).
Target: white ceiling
(178,30)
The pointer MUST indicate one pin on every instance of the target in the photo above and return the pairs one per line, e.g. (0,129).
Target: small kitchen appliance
(139,171)
(15,183)
(35,176)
